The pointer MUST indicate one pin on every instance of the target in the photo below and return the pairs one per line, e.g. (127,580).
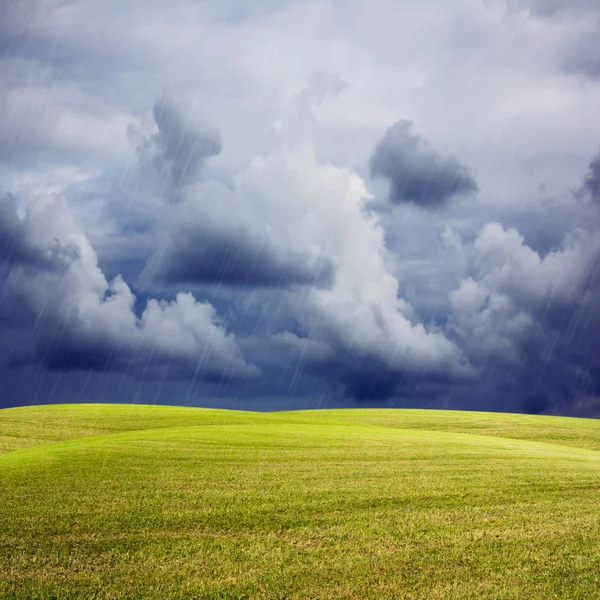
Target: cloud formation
(182,144)
(236,236)
(530,316)
(416,173)
(302,221)
(253,219)
(357,330)
(85,322)
(223,254)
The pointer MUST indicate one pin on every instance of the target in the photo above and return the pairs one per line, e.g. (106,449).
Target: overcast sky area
(287,203)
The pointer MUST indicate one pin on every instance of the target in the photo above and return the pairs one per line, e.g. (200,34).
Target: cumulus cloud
(529,315)
(236,236)
(290,218)
(363,331)
(16,247)
(416,172)
(85,322)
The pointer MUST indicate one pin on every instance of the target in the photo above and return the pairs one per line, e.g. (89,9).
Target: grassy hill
(122,501)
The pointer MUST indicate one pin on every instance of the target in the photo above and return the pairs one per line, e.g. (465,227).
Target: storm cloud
(416,173)
(533,317)
(84,322)
(591,182)
(217,255)
(267,233)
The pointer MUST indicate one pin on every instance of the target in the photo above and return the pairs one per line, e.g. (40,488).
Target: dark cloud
(234,257)
(417,173)
(182,144)
(591,182)
(357,373)
(362,377)
(60,349)
(532,318)
(80,321)
(560,366)
(368,378)
(64,355)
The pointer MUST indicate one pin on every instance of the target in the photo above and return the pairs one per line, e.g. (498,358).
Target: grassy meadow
(129,501)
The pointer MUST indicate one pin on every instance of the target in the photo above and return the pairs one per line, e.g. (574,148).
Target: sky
(289,204)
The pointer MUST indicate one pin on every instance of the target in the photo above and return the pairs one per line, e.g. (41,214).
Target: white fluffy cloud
(360,313)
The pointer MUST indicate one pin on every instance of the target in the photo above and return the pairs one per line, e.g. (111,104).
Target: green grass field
(127,501)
